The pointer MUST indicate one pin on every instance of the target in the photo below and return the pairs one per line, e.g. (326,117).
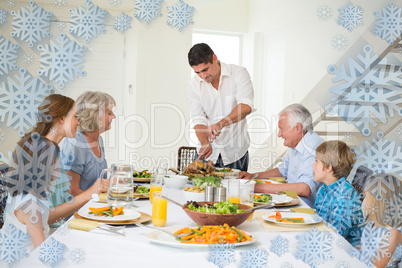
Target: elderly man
(295,127)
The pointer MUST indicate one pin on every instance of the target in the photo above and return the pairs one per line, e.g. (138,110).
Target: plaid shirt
(339,205)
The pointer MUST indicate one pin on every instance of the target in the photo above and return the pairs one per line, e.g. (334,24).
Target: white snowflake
(8,55)
(30,171)
(148,10)
(381,156)
(339,42)
(53,131)
(340,243)
(87,21)
(370,88)
(62,61)
(279,245)
(31,24)
(254,258)
(14,244)
(287,265)
(399,131)
(314,247)
(372,209)
(2,136)
(350,16)
(3,16)
(221,254)
(59,3)
(115,3)
(393,210)
(374,244)
(342,264)
(10,3)
(180,15)
(61,25)
(51,251)
(388,23)
(63,229)
(324,12)
(77,256)
(122,22)
(399,50)
(348,136)
(20,100)
(28,59)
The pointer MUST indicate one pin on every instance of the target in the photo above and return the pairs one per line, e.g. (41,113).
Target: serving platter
(164,239)
(129,214)
(234,172)
(141,179)
(308,219)
(144,218)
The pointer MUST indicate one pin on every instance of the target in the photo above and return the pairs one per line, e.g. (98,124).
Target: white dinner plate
(308,219)
(167,240)
(272,182)
(277,199)
(129,214)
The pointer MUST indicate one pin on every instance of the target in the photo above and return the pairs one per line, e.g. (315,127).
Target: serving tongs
(162,230)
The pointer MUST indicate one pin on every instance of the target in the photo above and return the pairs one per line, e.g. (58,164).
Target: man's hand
(245,175)
(205,151)
(214,132)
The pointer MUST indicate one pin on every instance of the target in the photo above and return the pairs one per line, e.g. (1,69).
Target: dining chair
(186,155)
(359,180)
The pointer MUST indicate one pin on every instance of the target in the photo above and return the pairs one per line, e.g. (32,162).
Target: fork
(162,230)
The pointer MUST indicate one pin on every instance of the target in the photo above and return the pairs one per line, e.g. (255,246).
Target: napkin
(303,210)
(103,197)
(277,179)
(272,227)
(292,194)
(83,225)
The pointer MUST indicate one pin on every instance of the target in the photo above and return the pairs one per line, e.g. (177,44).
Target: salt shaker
(209,193)
(220,194)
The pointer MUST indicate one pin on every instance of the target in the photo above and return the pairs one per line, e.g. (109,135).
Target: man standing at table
(296,128)
(221,96)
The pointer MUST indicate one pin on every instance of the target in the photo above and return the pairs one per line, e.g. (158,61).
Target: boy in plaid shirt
(337,201)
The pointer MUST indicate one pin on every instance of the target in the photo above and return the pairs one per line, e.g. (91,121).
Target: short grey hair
(90,107)
(297,113)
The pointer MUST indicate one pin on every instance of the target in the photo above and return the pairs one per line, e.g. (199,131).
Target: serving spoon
(252,178)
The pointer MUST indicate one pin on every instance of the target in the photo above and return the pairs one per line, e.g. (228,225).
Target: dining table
(272,246)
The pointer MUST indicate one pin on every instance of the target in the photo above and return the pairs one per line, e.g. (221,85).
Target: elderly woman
(85,152)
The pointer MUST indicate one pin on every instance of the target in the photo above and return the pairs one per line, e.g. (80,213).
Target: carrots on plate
(278,218)
(213,234)
(106,211)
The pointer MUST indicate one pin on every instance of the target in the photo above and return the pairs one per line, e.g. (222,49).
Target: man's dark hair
(200,53)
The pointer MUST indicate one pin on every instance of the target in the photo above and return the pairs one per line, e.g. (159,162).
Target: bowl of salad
(217,213)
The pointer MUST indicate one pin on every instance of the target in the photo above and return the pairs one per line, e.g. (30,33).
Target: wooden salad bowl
(202,218)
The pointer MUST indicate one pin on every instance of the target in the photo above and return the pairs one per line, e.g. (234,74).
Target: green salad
(142,189)
(218,208)
(262,198)
(202,182)
(142,174)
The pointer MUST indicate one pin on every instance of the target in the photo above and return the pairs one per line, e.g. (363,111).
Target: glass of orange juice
(156,181)
(247,198)
(233,191)
(159,210)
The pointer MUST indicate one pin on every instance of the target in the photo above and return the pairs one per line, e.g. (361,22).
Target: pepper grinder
(220,194)
(209,193)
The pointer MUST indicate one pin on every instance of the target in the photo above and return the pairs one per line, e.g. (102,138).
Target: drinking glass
(159,209)
(120,189)
(247,198)
(156,181)
(233,191)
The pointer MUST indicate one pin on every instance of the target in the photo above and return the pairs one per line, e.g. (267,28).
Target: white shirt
(208,106)
(297,164)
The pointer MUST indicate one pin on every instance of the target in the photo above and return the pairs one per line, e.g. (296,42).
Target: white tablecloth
(104,249)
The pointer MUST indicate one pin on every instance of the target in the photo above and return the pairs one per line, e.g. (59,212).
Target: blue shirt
(77,156)
(297,164)
(339,204)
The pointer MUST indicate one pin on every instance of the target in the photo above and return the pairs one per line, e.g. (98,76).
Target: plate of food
(222,172)
(141,191)
(105,213)
(203,236)
(273,198)
(142,176)
(266,181)
(290,219)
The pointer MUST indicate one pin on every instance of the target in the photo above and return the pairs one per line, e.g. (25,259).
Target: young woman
(36,180)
